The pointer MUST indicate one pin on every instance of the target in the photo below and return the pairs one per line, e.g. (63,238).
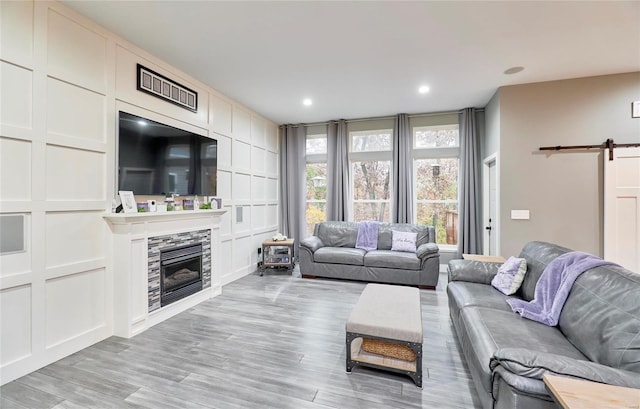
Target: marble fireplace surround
(135,237)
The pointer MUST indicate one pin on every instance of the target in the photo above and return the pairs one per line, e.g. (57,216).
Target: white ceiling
(361,59)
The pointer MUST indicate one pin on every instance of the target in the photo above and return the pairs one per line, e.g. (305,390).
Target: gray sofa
(597,337)
(331,252)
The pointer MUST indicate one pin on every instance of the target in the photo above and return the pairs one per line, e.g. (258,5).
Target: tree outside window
(316,181)
(437,197)
(436,150)
(370,157)
(371,190)
(316,211)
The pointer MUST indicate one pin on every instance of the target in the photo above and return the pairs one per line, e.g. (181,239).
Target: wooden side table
(486,259)
(571,393)
(277,254)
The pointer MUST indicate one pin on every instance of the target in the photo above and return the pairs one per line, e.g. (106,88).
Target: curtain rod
(377,118)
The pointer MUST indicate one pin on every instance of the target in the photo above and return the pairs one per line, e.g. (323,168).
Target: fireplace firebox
(180,273)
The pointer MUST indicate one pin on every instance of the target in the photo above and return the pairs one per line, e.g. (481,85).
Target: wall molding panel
(64,79)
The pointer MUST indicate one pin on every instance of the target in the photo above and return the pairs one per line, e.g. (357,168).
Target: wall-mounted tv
(157,159)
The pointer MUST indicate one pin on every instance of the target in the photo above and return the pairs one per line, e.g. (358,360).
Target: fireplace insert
(180,273)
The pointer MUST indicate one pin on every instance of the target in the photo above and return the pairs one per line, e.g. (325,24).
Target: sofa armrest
(472,271)
(532,364)
(427,250)
(312,243)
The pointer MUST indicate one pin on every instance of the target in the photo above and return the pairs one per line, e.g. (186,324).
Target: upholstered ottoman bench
(384,330)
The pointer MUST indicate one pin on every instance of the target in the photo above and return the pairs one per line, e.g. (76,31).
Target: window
(370,160)
(316,177)
(439,136)
(435,153)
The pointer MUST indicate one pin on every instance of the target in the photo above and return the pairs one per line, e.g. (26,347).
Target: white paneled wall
(16,23)
(15,318)
(221,116)
(75,304)
(79,102)
(63,79)
(69,41)
(15,169)
(63,164)
(53,154)
(241,125)
(16,97)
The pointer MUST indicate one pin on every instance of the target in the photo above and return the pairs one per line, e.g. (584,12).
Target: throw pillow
(403,241)
(510,276)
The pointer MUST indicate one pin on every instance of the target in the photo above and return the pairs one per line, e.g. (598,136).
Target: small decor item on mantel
(216,202)
(187,204)
(160,86)
(128,201)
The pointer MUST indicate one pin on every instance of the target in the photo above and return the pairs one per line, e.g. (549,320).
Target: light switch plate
(635,109)
(519,215)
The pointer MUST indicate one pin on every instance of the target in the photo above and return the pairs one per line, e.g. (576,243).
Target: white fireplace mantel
(130,233)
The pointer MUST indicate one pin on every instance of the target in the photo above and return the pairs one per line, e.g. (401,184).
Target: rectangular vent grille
(160,86)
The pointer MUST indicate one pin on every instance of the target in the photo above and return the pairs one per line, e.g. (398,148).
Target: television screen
(157,159)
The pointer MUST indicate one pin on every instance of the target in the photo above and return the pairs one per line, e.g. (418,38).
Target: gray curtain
(402,196)
(470,212)
(337,171)
(292,182)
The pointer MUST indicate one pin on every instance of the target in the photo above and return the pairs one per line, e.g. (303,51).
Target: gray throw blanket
(367,238)
(554,285)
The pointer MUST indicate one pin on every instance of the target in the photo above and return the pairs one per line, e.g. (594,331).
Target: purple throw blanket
(554,285)
(367,236)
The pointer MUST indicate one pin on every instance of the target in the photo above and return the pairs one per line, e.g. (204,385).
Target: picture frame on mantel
(128,201)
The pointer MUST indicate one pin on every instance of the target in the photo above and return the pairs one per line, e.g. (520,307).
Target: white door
(622,207)
(490,200)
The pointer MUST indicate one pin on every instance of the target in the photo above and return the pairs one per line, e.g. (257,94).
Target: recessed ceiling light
(423,89)
(513,70)
(142,123)
(307,102)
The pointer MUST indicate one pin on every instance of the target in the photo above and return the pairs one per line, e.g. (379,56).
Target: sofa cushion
(425,234)
(337,234)
(392,259)
(403,241)
(534,364)
(601,317)
(488,330)
(510,275)
(474,294)
(538,254)
(472,271)
(339,255)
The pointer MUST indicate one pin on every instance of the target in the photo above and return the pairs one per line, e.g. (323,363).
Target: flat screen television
(157,159)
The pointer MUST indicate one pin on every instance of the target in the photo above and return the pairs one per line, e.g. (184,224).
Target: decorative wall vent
(160,86)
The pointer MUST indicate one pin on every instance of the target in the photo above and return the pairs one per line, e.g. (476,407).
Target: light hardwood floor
(267,342)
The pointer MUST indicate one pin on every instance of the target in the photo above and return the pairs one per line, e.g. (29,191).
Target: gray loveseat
(597,337)
(331,252)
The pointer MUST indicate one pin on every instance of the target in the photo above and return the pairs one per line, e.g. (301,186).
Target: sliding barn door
(622,208)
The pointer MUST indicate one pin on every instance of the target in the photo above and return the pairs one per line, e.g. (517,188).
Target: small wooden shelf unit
(277,254)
